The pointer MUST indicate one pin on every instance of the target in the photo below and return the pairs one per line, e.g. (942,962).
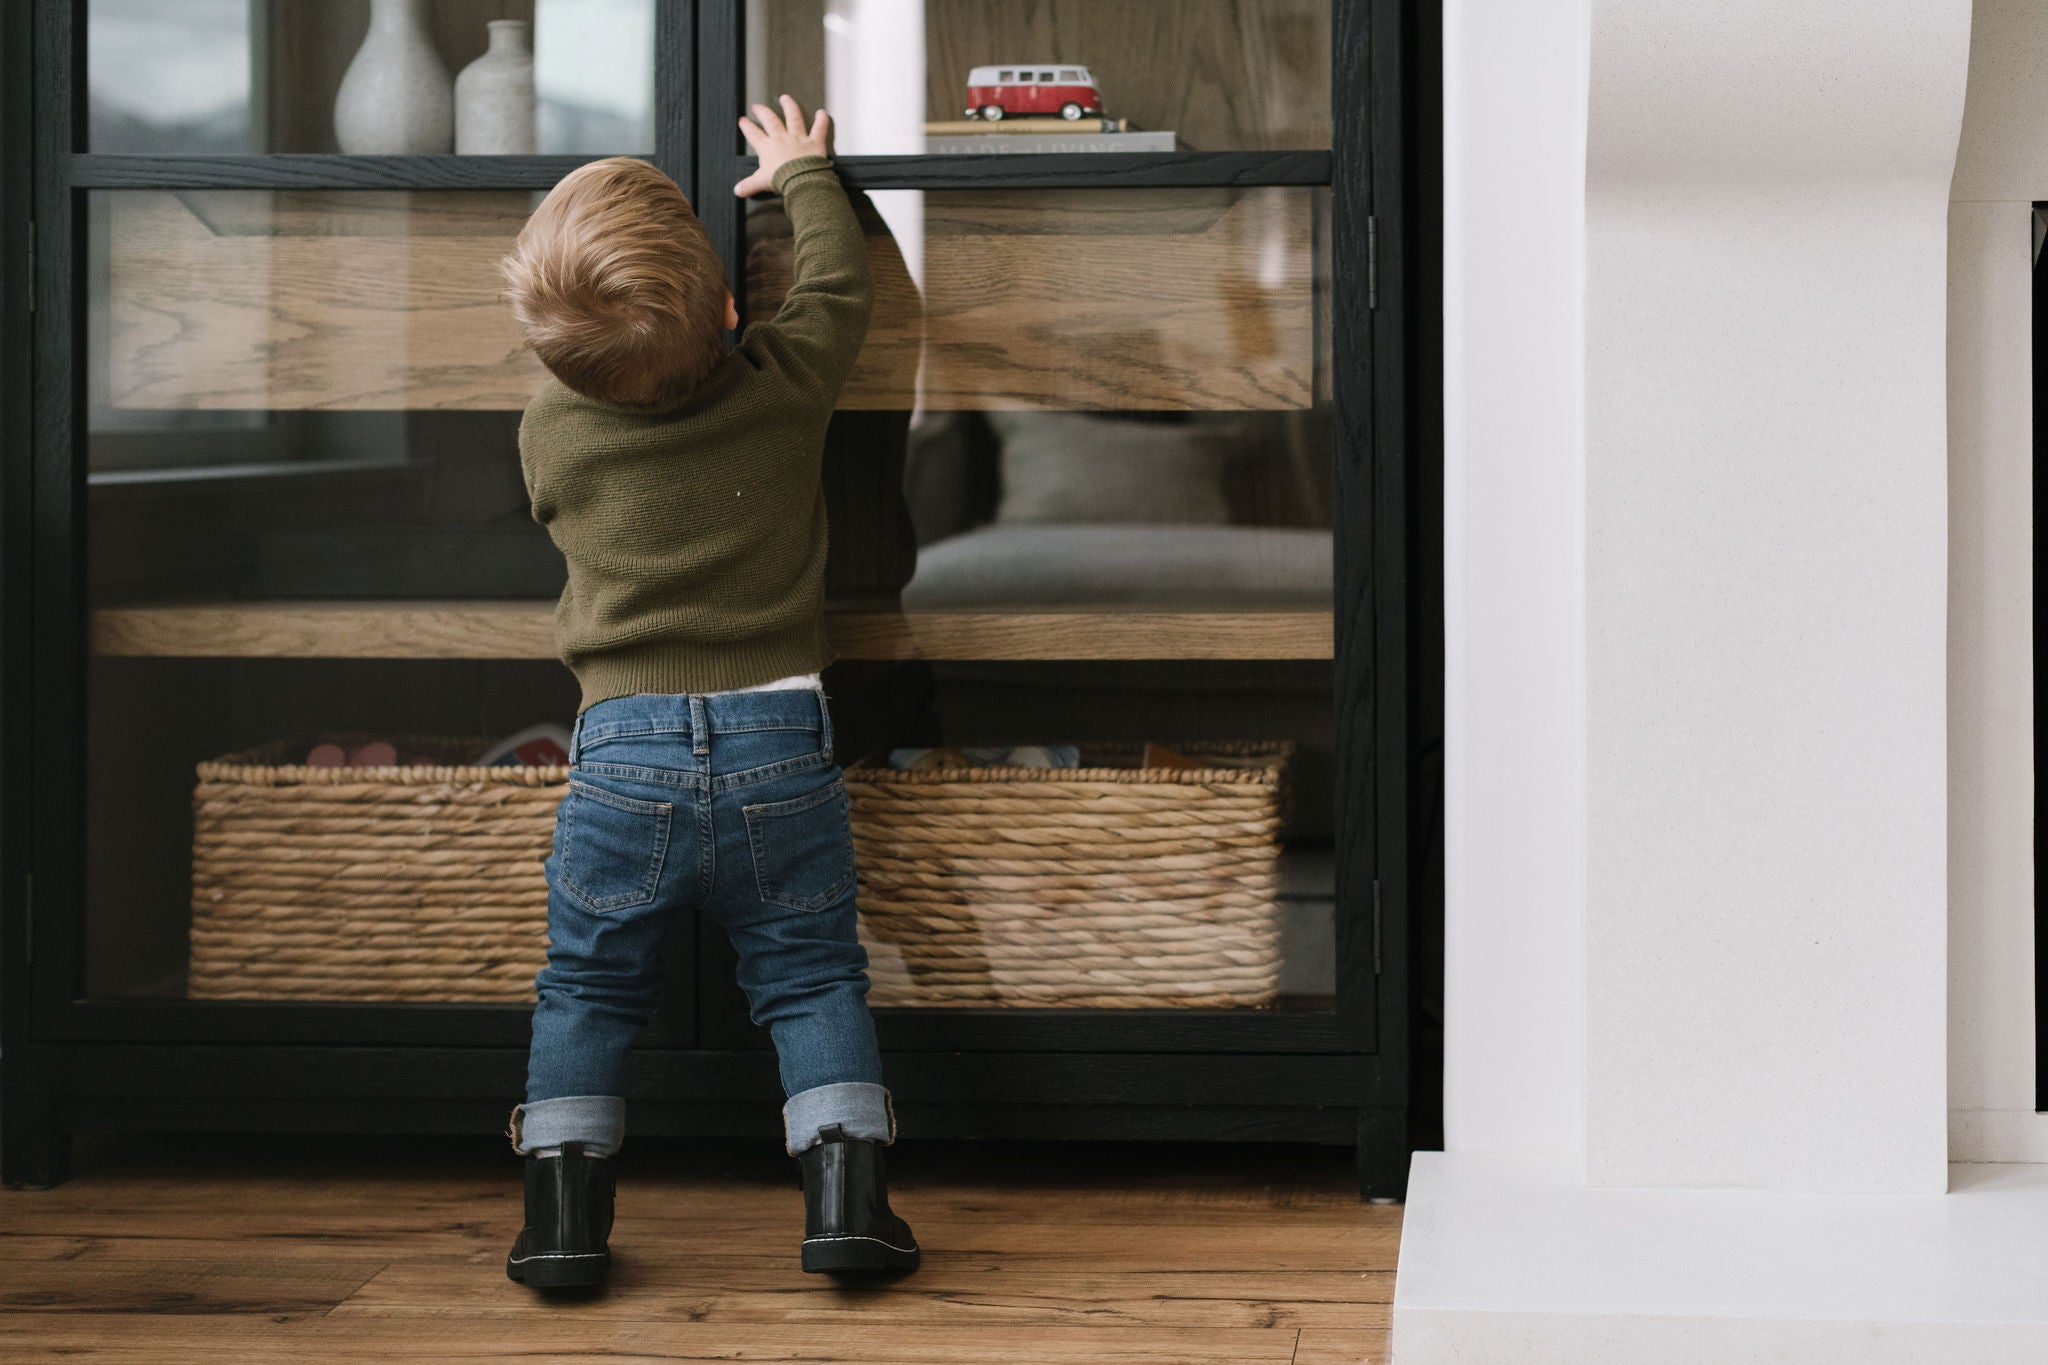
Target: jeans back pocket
(612,847)
(803,849)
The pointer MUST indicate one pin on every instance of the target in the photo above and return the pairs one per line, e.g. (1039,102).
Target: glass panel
(240,76)
(1122,512)
(1025,888)
(306,400)
(1159,75)
(1209,299)
(260,300)
(1090,423)
(268,893)
(307,395)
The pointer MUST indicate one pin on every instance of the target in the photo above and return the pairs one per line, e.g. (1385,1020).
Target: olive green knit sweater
(695,535)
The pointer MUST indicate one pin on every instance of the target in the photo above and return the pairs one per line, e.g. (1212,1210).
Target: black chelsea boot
(568,1221)
(847,1221)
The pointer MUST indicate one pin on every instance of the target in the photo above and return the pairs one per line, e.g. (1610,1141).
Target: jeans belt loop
(700,726)
(824,724)
(576,740)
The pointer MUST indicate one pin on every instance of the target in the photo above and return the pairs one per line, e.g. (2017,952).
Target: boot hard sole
(831,1255)
(559,1269)
(848,1225)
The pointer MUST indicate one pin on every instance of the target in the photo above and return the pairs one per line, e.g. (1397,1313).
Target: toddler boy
(681,482)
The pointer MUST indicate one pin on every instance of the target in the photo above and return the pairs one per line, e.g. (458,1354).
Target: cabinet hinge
(1375,926)
(1372,262)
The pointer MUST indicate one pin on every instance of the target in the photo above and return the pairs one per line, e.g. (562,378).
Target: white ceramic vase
(494,95)
(396,97)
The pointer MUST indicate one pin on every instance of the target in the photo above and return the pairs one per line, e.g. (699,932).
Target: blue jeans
(730,805)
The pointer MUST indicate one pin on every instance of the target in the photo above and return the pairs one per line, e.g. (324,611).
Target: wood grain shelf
(330,300)
(1163,299)
(525,630)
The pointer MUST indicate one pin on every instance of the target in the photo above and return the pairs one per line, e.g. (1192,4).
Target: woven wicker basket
(1078,887)
(400,883)
(1107,886)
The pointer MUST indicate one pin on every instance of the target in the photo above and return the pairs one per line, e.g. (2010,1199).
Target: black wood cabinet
(1139,449)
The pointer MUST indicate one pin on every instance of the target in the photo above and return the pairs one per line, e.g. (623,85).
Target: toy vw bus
(999,92)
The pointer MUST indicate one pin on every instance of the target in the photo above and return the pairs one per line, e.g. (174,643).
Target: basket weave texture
(398,883)
(1094,887)
(1097,887)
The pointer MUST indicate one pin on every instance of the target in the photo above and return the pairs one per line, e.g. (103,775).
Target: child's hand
(776,139)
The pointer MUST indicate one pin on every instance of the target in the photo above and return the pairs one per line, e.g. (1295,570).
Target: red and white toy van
(1021,88)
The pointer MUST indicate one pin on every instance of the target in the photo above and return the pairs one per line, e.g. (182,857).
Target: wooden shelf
(332,300)
(525,630)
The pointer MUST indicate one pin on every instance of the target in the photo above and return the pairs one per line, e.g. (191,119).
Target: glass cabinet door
(297,402)
(1102,420)
(318,603)
(1083,498)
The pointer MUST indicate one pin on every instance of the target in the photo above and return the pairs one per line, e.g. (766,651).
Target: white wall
(1514,155)
(1766,546)
(2001,166)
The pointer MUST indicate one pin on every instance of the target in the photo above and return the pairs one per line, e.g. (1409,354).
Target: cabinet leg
(35,1151)
(1383,1151)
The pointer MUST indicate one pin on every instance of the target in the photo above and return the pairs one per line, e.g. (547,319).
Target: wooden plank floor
(312,1250)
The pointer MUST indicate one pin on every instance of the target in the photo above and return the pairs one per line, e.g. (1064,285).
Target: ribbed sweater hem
(671,667)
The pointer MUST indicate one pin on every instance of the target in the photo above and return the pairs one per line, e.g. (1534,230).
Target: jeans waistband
(699,717)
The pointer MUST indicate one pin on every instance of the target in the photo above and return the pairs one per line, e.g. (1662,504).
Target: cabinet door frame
(45,650)
(1375,730)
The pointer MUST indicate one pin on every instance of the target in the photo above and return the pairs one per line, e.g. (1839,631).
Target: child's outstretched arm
(817,332)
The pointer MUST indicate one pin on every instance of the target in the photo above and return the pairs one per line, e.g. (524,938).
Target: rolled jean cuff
(596,1121)
(862,1109)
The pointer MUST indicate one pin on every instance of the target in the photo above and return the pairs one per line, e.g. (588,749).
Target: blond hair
(617,287)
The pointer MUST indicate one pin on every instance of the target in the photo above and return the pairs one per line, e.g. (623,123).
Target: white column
(1766,229)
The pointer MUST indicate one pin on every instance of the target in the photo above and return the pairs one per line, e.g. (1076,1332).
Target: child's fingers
(753,185)
(752,133)
(793,115)
(769,120)
(820,126)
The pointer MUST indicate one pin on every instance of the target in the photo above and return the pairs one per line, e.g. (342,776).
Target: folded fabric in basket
(537,746)
(984,756)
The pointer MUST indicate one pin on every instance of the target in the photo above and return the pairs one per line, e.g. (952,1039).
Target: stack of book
(972,137)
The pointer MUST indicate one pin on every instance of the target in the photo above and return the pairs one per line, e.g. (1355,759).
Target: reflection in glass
(170,77)
(593,74)
(252,76)
(1204,512)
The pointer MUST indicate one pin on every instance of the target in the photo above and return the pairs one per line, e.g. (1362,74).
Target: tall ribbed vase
(494,95)
(396,97)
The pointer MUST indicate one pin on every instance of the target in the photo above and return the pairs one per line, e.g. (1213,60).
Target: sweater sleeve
(541,502)
(813,338)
